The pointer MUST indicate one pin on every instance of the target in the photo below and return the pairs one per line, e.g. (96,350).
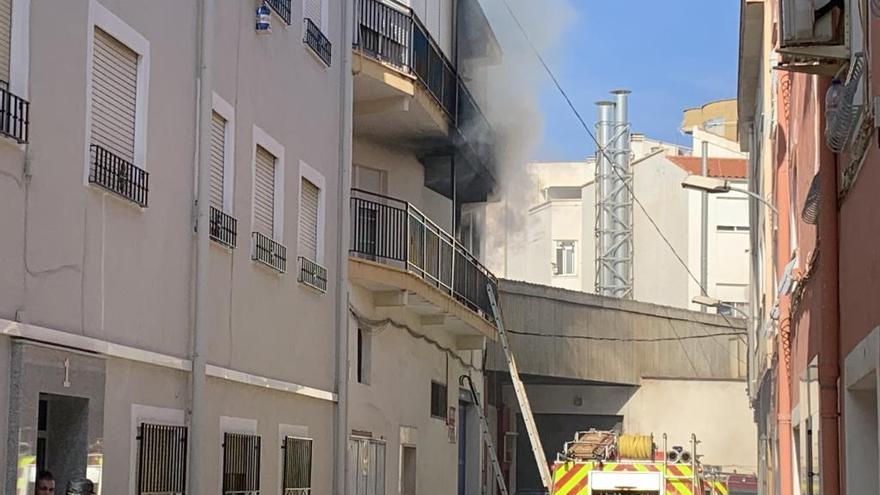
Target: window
(309,203)
(218,159)
(408,470)
(737,309)
(370,179)
(5,41)
(366,459)
(438,400)
(732,228)
(224,227)
(161,459)
(562,192)
(264,193)
(314,10)
(297,477)
(364,352)
(241,464)
(114,95)
(565,258)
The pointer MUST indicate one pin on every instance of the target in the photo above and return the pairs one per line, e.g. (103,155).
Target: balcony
(118,176)
(813,38)
(406,89)
(282,8)
(14,115)
(315,39)
(268,252)
(224,228)
(397,249)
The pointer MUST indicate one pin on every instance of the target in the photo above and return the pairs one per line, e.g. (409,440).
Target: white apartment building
(335,326)
(556,245)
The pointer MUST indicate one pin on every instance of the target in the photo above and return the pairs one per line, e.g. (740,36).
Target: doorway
(63,436)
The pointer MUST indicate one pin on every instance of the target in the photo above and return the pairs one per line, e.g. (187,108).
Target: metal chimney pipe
(603,184)
(622,237)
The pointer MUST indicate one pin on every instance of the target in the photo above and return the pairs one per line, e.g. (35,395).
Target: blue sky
(672,55)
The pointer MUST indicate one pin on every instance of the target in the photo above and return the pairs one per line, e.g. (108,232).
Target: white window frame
(316,178)
(574,269)
(265,141)
(19,49)
(100,17)
(227,112)
(148,414)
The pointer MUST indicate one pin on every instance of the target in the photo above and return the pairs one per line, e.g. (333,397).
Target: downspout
(829,318)
(342,244)
(199,359)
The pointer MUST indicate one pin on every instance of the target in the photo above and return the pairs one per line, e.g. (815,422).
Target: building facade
(329,326)
(809,124)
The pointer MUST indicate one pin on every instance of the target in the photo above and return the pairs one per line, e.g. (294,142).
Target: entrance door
(462,447)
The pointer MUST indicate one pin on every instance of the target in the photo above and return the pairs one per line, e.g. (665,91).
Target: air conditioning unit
(813,35)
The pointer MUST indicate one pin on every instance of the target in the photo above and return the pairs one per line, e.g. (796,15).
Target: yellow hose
(635,446)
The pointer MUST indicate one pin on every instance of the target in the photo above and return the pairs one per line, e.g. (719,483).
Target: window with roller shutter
(5,40)
(114,96)
(218,160)
(310,196)
(264,193)
(314,10)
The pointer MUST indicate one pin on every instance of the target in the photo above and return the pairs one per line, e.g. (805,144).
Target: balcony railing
(14,115)
(282,8)
(270,253)
(312,274)
(394,232)
(118,176)
(396,36)
(224,228)
(316,40)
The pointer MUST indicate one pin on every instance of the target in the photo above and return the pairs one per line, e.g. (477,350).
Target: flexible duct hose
(635,446)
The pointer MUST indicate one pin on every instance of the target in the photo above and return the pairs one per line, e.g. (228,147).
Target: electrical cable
(601,149)
(623,339)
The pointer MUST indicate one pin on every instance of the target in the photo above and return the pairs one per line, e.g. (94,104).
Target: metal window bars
(315,39)
(269,252)
(14,115)
(118,176)
(161,461)
(297,475)
(241,464)
(312,274)
(394,232)
(224,228)
(281,7)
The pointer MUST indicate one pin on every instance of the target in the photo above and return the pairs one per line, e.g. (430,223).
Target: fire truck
(605,463)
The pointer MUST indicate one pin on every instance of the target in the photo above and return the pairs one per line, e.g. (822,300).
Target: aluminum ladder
(521,397)
(487,436)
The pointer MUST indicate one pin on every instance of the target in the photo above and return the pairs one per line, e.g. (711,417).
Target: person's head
(45,483)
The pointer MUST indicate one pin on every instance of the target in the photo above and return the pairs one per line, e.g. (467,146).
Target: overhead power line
(601,149)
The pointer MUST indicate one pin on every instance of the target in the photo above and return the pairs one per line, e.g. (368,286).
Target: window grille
(241,464)
(161,467)
(297,477)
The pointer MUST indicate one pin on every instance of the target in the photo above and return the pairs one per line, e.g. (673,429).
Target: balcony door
(366,235)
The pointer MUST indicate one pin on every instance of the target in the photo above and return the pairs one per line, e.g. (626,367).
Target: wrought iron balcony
(224,228)
(393,232)
(316,40)
(118,176)
(396,36)
(282,8)
(312,274)
(270,253)
(14,115)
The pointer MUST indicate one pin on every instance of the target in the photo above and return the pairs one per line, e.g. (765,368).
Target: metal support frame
(614,201)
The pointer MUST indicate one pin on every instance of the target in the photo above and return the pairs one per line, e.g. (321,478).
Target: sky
(672,55)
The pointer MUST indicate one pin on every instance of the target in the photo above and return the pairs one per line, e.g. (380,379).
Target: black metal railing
(118,176)
(14,115)
(282,8)
(394,232)
(269,252)
(297,475)
(312,274)
(241,464)
(396,36)
(224,227)
(161,464)
(316,40)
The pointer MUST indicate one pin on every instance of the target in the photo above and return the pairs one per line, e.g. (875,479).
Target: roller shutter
(308,218)
(114,95)
(5,38)
(218,155)
(312,9)
(264,193)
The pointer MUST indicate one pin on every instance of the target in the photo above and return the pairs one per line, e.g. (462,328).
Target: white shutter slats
(312,9)
(5,38)
(218,158)
(114,95)
(264,193)
(308,218)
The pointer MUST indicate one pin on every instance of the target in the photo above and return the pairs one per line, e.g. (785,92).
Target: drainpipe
(783,339)
(829,318)
(199,359)
(342,243)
